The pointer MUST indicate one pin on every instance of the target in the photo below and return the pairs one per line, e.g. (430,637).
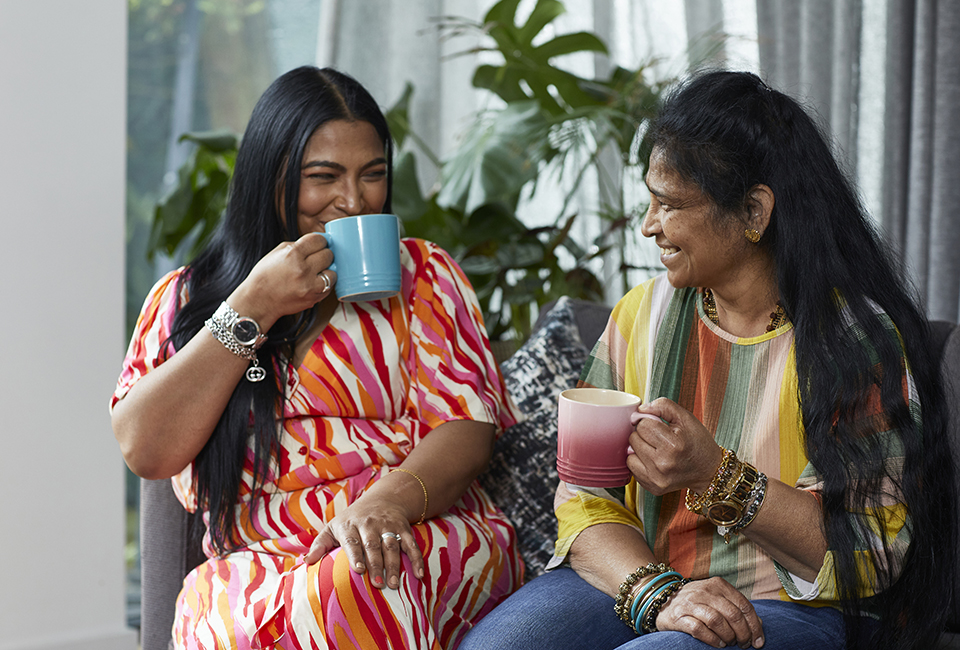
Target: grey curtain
(922,170)
(812,49)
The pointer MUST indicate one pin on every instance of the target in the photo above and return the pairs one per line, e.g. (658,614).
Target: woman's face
(696,250)
(343,173)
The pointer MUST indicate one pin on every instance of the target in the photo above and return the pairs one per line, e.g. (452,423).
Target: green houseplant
(550,124)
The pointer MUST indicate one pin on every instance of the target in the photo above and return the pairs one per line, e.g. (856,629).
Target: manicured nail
(378,581)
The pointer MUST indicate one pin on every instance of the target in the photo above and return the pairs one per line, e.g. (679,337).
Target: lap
(560,610)
(248,598)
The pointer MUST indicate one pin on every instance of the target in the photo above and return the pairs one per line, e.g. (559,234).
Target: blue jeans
(561,611)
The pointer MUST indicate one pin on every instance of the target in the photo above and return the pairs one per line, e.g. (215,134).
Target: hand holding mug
(285,281)
(672,449)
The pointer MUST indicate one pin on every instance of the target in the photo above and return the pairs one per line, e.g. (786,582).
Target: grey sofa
(169,550)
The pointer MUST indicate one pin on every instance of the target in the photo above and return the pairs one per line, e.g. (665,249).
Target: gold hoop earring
(752,235)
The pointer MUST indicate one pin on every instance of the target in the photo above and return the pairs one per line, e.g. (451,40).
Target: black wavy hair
(286,115)
(727,132)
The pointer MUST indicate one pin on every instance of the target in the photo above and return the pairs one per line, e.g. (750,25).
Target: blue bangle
(646,590)
(646,606)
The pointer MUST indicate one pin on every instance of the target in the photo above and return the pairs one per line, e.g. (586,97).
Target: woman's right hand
(714,612)
(287,280)
(673,450)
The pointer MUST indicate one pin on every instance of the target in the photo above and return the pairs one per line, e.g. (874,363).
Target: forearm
(447,460)
(788,527)
(169,414)
(591,556)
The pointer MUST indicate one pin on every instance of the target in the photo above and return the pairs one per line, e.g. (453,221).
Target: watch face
(723,513)
(246,331)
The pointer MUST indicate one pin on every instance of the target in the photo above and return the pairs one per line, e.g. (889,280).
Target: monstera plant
(550,124)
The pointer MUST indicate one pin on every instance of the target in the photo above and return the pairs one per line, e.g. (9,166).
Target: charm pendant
(255,373)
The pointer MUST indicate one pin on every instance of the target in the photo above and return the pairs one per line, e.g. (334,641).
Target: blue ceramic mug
(366,256)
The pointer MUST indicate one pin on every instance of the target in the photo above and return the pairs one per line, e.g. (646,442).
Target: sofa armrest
(168,551)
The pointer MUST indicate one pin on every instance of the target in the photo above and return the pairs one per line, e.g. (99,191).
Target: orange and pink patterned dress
(379,377)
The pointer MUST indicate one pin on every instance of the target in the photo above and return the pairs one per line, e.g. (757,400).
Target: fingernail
(378,580)
(394,582)
(758,642)
(359,566)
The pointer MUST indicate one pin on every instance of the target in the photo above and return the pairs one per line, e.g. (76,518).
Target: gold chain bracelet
(426,497)
(725,470)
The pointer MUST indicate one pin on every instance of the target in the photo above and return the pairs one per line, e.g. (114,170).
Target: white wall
(62,165)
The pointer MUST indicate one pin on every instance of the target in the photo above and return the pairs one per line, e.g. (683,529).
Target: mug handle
(329,238)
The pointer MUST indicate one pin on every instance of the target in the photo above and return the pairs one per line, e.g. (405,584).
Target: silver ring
(385,536)
(326,281)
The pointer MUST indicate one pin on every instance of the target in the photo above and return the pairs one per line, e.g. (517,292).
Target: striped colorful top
(659,343)
(380,376)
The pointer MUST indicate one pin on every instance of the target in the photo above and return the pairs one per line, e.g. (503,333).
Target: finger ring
(395,536)
(326,281)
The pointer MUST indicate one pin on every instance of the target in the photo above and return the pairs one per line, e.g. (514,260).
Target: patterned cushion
(522,476)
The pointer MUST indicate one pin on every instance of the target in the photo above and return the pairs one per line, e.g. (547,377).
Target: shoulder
(424,261)
(420,254)
(170,290)
(646,300)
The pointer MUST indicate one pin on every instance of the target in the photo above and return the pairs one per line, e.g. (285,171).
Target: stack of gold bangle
(733,498)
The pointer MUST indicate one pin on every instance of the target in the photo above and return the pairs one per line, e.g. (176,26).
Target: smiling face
(343,174)
(697,248)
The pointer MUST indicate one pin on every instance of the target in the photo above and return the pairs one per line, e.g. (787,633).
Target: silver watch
(245,331)
(240,335)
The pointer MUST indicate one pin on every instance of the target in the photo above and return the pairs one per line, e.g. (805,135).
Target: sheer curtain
(883,77)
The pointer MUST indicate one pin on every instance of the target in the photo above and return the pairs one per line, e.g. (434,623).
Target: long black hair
(286,115)
(727,132)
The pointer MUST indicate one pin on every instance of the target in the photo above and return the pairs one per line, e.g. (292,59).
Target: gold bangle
(426,498)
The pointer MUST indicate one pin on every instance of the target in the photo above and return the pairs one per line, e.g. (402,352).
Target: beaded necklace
(778,317)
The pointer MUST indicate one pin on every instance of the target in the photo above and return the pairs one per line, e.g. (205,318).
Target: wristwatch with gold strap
(728,510)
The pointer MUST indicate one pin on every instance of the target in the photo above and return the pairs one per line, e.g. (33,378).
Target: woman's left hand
(366,532)
(714,612)
(673,452)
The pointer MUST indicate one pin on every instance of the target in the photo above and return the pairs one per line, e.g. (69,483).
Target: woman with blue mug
(332,446)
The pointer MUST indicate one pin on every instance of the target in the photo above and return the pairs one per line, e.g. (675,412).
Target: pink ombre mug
(592,437)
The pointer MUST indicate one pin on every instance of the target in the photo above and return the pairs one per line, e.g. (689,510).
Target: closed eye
(321,176)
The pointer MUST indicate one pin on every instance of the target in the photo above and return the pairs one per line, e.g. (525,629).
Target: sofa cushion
(522,476)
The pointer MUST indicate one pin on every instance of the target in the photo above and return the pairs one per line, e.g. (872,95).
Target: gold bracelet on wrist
(725,470)
(426,497)
(620,605)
